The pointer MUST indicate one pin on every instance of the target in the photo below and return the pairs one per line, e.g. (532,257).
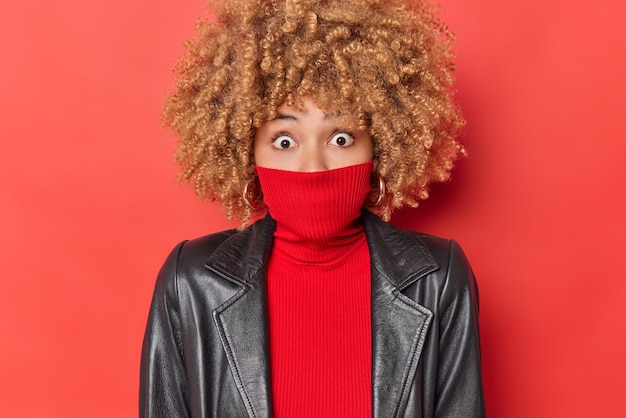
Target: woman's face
(311,140)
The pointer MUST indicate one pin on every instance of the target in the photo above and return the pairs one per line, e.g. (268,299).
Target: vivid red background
(89,208)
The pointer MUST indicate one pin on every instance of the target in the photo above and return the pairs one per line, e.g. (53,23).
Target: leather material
(205,351)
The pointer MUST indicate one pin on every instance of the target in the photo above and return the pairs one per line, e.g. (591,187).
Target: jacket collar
(242,256)
(399,324)
(398,257)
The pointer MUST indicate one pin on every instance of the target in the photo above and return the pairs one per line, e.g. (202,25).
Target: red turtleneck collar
(317,214)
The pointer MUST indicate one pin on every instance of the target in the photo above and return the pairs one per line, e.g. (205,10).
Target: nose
(312,159)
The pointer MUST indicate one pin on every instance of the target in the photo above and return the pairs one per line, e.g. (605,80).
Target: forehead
(310,106)
(313,107)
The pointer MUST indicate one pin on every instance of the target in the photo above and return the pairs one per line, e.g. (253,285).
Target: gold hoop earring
(249,198)
(382,192)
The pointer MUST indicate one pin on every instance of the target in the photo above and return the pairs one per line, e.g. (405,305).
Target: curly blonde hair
(389,62)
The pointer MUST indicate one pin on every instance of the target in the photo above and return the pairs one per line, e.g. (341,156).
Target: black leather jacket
(205,352)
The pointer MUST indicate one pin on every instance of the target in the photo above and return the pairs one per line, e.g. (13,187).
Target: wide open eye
(283,142)
(341,139)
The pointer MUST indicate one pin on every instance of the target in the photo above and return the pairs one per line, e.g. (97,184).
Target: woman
(318,118)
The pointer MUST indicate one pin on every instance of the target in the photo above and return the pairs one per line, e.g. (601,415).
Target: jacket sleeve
(459,382)
(163,391)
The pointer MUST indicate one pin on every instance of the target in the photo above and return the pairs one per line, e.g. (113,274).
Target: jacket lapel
(399,324)
(241,321)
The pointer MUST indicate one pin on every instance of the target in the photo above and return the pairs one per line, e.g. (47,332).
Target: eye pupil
(285,143)
(341,140)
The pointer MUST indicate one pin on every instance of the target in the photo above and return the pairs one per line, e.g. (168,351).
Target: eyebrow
(330,115)
(284,116)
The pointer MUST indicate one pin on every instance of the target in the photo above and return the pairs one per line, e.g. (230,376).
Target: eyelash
(278,135)
(345,132)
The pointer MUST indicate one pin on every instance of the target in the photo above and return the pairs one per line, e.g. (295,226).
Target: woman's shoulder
(231,253)
(417,256)
(446,251)
(401,240)
(185,276)
(191,253)
(204,246)
(454,278)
